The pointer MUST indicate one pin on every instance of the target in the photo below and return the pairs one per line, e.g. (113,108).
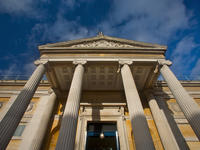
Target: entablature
(102,45)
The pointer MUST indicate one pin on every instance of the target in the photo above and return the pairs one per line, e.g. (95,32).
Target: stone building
(101,93)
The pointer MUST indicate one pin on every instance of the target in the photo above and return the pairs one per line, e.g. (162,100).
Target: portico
(99,64)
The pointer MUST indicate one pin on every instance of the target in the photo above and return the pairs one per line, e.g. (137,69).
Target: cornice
(21,83)
(98,38)
(192,83)
(63,50)
(102,44)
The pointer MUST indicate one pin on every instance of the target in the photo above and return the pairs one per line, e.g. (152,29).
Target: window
(19,130)
(102,136)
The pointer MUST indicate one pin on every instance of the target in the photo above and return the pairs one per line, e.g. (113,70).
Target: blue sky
(25,24)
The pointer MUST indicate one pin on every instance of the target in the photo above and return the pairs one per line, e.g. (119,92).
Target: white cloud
(16,6)
(196,71)
(184,46)
(32,8)
(22,7)
(155,21)
(60,30)
(11,71)
(69,3)
(182,56)
(15,71)
(152,21)
(29,68)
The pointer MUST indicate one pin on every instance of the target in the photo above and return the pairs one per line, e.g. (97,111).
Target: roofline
(104,50)
(99,38)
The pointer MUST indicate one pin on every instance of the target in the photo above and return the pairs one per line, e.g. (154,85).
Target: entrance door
(102,136)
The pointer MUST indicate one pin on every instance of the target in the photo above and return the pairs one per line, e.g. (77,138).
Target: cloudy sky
(25,24)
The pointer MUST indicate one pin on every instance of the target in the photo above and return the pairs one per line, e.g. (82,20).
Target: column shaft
(12,118)
(166,135)
(7,107)
(187,104)
(172,123)
(67,134)
(35,131)
(142,137)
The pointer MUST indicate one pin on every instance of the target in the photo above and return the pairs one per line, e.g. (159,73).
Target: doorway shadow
(96,114)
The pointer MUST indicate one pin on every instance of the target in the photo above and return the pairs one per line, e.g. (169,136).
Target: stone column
(164,130)
(187,104)
(7,107)
(142,136)
(67,134)
(12,118)
(172,123)
(36,129)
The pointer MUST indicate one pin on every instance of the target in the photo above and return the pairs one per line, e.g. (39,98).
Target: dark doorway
(102,136)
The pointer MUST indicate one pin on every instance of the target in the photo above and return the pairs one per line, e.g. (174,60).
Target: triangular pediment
(102,41)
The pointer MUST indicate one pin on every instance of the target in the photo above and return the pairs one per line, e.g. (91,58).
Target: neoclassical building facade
(101,93)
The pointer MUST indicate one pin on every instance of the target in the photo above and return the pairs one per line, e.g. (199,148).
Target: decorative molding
(107,59)
(79,62)
(103,44)
(191,139)
(101,41)
(165,62)
(9,93)
(50,91)
(128,62)
(114,114)
(40,61)
(168,94)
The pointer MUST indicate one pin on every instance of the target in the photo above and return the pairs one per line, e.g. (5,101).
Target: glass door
(102,136)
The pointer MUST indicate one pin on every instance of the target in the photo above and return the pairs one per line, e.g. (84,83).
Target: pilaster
(36,129)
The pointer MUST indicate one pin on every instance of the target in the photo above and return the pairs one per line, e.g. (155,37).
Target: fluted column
(12,118)
(187,104)
(67,134)
(142,136)
(36,129)
(7,107)
(164,130)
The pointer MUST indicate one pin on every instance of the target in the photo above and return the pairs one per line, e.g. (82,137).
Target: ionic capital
(79,62)
(50,91)
(164,62)
(127,62)
(38,62)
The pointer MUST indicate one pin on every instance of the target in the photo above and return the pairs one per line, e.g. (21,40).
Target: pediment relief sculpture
(103,44)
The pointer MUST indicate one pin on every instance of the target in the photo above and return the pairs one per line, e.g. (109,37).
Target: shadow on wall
(162,102)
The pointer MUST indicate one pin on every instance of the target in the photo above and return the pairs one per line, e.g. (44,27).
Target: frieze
(102,44)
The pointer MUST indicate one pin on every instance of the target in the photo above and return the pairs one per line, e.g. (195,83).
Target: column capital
(79,62)
(127,62)
(50,91)
(164,62)
(39,61)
